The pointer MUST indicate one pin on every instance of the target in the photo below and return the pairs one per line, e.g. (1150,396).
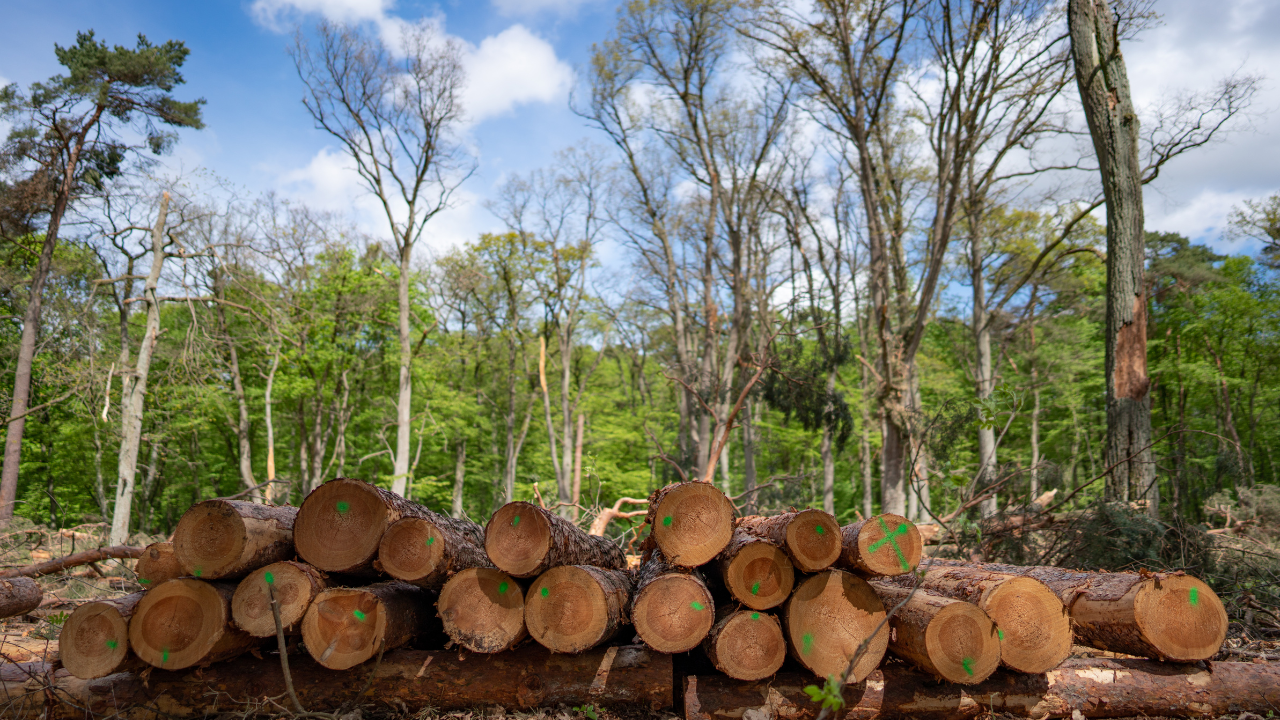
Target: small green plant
(51,627)
(831,694)
(588,710)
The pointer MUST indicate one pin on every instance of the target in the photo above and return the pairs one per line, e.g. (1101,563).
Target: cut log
(483,610)
(157,564)
(94,641)
(810,537)
(780,697)
(755,571)
(297,585)
(219,539)
(885,544)
(186,622)
(950,639)
(1031,622)
(340,525)
(691,522)
(18,596)
(746,644)
(524,541)
(828,616)
(632,678)
(573,608)
(425,551)
(347,626)
(48,567)
(1163,616)
(672,608)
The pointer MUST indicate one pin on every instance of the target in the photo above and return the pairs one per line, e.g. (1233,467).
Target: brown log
(223,539)
(340,525)
(573,608)
(827,618)
(885,544)
(780,697)
(184,622)
(1031,622)
(524,541)
(18,596)
(347,626)
(483,610)
(73,560)
(746,644)
(950,639)
(94,641)
(156,564)
(755,570)
(425,551)
(810,537)
(672,608)
(633,678)
(691,522)
(1163,616)
(296,585)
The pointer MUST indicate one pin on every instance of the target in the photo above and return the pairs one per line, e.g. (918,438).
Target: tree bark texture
(524,541)
(692,522)
(810,537)
(672,609)
(94,641)
(218,539)
(156,564)
(19,595)
(426,551)
(573,608)
(81,558)
(340,524)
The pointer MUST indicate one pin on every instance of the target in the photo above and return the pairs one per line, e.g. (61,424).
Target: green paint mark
(807,643)
(696,605)
(144,581)
(755,616)
(889,538)
(1194,597)
(502,588)
(545,592)
(343,507)
(271,579)
(755,588)
(164,656)
(666,521)
(820,530)
(359,615)
(1000,634)
(968,665)
(515,521)
(431,541)
(199,571)
(113,644)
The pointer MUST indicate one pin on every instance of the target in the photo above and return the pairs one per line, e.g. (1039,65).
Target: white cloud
(512,68)
(275,14)
(534,7)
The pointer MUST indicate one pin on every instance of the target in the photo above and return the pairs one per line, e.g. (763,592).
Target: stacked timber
(525,540)
(347,626)
(885,544)
(832,619)
(339,526)
(573,608)
(811,538)
(295,586)
(690,522)
(219,539)
(186,622)
(673,609)
(157,564)
(755,571)
(426,548)
(94,641)
(482,610)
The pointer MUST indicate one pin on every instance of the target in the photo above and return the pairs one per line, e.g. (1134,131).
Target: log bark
(755,571)
(885,544)
(950,639)
(828,616)
(347,626)
(672,609)
(483,610)
(1092,688)
(1162,616)
(340,525)
(810,537)
(94,641)
(691,522)
(296,585)
(427,550)
(156,564)
(73,560)
(1032,623)
(187,622)
(224,539)
(746,644)
(524,541)
(573,608)
(18,596)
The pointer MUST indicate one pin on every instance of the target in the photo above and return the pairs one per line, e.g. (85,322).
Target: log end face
(813,536)
(209,539)
(962,644)
(566,610)
(750,646)
(176,624)
(340,524)
(483,610)
(412,549)
(673,613)
(1032,624)
(828,617)
(158,564)
(1181,617)
(251,604)
(760,576)
(344,627)
(517,539)
(889,545)
(692,523)
(94,641)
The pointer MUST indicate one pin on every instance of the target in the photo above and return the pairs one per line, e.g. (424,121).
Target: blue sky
(525,56)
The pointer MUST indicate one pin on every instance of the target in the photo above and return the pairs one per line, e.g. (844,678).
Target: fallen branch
(608,515)
(72,560)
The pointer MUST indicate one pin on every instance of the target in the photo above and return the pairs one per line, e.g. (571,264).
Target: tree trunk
(340,525)
(573,608)
(237,391)
(459,474)
(893,497)
(672,608)
(218,539)
(131,405)
(94,641)
(984,380)
(828,472)
(949,639)
(828,616)
(810,537)
(483,610)
(881,545)
(296,586)
(756,571)
(562,484)
(187,622)
(347,626)
(692,522)
(404,400)
(18,596)
(273,494)
(577,465)
(157,564)
(746,644)
(524,541)
(426,550)
(750,499)
(1113,124)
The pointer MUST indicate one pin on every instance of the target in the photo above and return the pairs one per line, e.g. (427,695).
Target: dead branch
(73,560)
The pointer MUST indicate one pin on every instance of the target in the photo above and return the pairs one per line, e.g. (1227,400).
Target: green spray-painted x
(888,538)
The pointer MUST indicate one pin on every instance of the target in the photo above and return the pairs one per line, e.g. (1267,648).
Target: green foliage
(830,695)
(587,711)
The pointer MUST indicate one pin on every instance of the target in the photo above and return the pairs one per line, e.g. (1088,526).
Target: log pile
(363,578)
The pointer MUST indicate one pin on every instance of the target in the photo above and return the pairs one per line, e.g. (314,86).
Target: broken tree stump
(524,541)
(884,544)
(425,551)
(296,584)
(218,539)
(746,644)
(340,525)
(18,596)
(691,522)
(483,610)
(755,571)
(347,626)
(827,618)
(672,609)
(573,608)
(94,641)
(185,622)
(810,537)
(950,639)
(157,564)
